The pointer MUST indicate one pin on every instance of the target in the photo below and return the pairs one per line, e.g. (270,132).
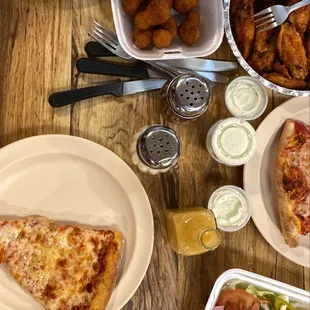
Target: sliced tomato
(237,300)
(255,305)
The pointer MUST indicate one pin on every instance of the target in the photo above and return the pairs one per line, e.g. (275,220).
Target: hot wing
(300,18)
(281,80)
(244,25)
(292,52)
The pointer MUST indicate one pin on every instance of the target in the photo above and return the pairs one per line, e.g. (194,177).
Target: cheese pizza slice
(62,267)
(293,181)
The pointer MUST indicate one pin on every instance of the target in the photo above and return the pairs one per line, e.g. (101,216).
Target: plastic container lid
(211,34)
(231,207)
(232,141)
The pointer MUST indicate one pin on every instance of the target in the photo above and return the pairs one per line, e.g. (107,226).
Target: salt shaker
(186,97)
(155,149)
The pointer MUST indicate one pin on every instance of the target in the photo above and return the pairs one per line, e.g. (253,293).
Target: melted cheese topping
(297,156)
(58,265)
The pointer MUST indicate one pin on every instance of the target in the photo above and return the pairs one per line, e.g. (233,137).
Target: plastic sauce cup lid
(233,141)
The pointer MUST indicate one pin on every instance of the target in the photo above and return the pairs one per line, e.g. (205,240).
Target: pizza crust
(107,279)
(290,223)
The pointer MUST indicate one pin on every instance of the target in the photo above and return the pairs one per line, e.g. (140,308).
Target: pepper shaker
(155,149)
(186,97)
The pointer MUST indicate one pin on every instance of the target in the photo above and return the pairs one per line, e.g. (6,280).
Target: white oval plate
(258,178)
(76,181)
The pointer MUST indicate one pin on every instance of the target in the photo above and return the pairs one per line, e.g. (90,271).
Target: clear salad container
(266,293)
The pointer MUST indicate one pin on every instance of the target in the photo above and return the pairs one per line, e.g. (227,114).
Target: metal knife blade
(95,49)
(212,76)
(133,87)
(202,64)
(117,89)
(139,70)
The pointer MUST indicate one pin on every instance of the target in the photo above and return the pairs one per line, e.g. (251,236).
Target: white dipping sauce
(230,207)
(246,98)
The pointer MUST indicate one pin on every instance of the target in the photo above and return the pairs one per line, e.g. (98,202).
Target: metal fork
(108,39)
(276,15)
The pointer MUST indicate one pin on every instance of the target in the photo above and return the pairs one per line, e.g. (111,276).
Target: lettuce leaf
(267,300)
(275,302)
(281,304)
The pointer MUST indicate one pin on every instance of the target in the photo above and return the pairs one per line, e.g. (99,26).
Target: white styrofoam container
(211,34)
(293,293)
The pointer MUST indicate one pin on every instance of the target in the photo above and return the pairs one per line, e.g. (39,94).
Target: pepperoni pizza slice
(62,267)
(293,181)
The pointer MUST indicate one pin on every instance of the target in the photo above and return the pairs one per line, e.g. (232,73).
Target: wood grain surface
(40,43)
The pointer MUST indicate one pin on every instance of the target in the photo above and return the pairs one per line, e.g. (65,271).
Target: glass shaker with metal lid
(186,97)
(155,149)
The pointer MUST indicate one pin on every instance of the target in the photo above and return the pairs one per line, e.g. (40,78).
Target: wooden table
(40,43)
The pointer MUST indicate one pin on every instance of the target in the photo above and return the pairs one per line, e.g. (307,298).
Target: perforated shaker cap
(189,95)
(159,147)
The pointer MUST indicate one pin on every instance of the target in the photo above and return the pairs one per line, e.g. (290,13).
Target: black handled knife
(95,49)
(117,89)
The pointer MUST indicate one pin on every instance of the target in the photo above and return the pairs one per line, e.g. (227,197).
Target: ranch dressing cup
(246,98)
(231,141)
(231,207)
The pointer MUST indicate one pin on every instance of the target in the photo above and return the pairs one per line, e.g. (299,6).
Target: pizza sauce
(296,177)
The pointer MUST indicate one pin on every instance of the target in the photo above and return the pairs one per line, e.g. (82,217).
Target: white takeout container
(211,34)
(293,293)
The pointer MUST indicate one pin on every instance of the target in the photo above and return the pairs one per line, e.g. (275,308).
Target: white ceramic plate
(76,181)
(259,179)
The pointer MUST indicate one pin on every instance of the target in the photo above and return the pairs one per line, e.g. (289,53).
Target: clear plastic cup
(231,206)
(246,98)
(231,141)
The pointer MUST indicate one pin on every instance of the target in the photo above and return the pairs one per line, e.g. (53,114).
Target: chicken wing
(243,11)
(300,18)
(281,80)
(261,42)
(307,46)
(279,68)
(234,6)
(262,62)
(292,52)
(307,43)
